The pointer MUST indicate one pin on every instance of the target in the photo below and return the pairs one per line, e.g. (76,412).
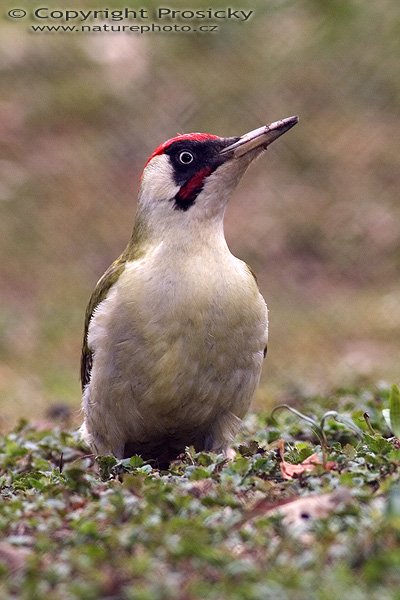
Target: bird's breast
(194,298)
(183,330)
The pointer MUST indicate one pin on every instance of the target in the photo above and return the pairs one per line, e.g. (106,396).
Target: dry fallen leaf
(290,471)
(311,507)
(297,511)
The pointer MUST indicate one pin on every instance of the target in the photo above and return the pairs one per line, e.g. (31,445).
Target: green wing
(134,250)
(100,292)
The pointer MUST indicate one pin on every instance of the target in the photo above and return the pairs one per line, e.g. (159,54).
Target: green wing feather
(134,250)
(100,292)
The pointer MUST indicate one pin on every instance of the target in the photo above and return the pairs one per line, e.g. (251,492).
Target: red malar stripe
(194,184)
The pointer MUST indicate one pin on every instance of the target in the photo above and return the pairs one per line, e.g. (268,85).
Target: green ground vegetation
(78,527)
(316,218)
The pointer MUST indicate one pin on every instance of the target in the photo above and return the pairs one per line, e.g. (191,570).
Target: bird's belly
(169,362)
(198,369)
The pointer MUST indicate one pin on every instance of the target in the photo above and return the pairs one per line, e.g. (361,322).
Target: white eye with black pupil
(186,157)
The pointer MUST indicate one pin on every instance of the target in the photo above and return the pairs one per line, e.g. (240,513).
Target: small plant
(392,414)
(318,427)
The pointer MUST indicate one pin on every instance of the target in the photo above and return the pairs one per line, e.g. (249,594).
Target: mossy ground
(79,527)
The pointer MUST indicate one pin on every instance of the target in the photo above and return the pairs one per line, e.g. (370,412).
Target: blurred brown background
(317,218)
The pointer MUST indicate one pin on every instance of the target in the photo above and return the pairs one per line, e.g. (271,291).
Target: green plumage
(176,328)
(99,294)
(133,251)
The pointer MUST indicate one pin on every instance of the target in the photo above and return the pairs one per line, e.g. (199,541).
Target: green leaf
(394,404)
(377,444)
(136,461)
(199,473)
(106,463)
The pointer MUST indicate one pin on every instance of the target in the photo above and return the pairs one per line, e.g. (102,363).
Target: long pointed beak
(261,137)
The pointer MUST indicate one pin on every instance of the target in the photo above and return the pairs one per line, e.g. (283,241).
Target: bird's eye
(186,157)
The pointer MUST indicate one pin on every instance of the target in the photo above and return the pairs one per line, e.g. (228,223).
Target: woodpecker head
(189,178)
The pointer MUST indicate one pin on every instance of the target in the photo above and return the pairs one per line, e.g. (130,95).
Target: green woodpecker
(176,329)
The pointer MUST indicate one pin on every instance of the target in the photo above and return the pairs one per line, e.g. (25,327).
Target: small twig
(368,422)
